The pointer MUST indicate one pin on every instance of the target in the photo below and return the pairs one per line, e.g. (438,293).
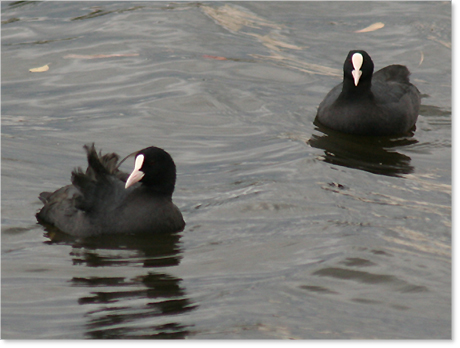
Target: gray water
(292,231)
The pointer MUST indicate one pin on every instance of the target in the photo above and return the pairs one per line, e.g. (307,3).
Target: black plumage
(384,103)
(97,202)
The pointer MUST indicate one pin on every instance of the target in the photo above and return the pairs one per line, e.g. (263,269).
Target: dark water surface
(293,231)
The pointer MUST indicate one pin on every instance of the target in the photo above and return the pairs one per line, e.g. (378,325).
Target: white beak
(357,61)
(136,174)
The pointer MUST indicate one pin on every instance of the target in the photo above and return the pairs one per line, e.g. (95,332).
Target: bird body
(384,103)
(100,201)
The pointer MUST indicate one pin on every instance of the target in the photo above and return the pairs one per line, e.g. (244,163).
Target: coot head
(358,68)
(155,169)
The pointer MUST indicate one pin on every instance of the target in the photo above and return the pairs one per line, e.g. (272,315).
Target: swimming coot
(104,200)
(384,103)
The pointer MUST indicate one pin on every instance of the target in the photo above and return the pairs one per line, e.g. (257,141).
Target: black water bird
(380,104)
(104,200)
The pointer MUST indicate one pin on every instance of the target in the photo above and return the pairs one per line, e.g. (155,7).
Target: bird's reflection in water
(377,155)
(143,305)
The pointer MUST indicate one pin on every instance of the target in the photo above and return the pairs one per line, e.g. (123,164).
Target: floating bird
(104,200)
(380,104)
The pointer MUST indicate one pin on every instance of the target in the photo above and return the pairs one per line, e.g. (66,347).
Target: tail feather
(91,182)
(44,196)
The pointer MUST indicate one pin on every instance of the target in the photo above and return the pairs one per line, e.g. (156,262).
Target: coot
(384,103)
(104,200)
